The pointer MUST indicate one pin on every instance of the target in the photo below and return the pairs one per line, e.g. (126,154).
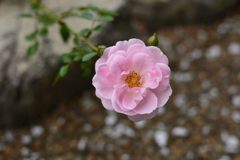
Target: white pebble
(206,129)
(24,151)
(232,89)
(184,65)
(214,92)
(192,111)
(236,100)
(234,48)
(224,157)
(180,131)
(231,142)
(110,119)
(164,151)
(213,52)
(190,155)
(129,132)
(236,116)
(196,54)
(161,138)
(37,131)
(34,156)
(26,139)
(202,35)
(8,136)
(180,48)
(161,111)
(140,124)
(87,127)
(180,100)
(82,143)
(180,77)
(125,156)
(225,111)
(206,84)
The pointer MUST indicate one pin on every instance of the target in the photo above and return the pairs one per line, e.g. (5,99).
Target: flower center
(133,80)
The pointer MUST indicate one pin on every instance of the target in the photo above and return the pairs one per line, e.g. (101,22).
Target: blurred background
(201,121)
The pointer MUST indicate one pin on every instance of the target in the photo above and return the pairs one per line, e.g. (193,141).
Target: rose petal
(122,45)
(163,96)
(141,63)
(163,84)
(140,117)
(147,105)
(135,41)
(158,55)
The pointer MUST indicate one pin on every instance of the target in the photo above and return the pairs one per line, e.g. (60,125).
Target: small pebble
(34,156)
(37,131)
(61,120)
(232,89)
(26,139)
(192,111)
(180,131)
(110,119)
(206,129)
(161,111)
(125,156)
(236,100)
(213,52)
(24,151)
(195,54)
(206,84)
(140,124)
(184,65)
(225,111)
(161,138)
(236,116)
(180,100)
(82,143)
(164,151)
(8,136)
(234,48)
(202,35)
(87,127)
(224,157)
(214,92)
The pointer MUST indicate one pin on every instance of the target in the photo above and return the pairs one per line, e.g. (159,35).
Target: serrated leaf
(88,56)
(66,58)
(63,70)
(32,49)
(78,58)
(98,27)
(31,36)
(57,77)
(64,33)
(92,8)
(44,32)
(86,15)
(105,18)
(83,32)
(107,12)
(26,15)
(83,48)
(75,41)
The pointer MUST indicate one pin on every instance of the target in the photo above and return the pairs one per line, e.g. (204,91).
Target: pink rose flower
(133,79)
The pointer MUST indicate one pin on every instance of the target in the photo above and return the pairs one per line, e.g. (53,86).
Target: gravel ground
(200,121)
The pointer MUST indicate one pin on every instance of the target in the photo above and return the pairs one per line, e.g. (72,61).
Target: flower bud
(100,50)
(153,41)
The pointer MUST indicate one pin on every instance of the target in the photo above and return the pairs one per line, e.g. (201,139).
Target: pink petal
(107,103)
(158,55)
(163,84)
(141,63)
(103,59)
(152,78)
(122,45)
(139,48)
(118,64)
(163,96)
(135,41)
(147,105)
(128,101)
(140,117)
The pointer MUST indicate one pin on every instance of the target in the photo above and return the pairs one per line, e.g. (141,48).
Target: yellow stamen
(133,80)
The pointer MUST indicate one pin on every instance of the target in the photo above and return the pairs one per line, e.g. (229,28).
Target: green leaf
(47,19)
(92,8)
(44,32)
(84,65)
(107,12)
(78,58)
(57,77)
(83,32)
(105,18)
(32,49)
(83,8)
(64,33)
(75,41)
(87,73)
(88,56)
(86,15)
(83,48)
(66,58)
(26,15)
(63,70)
(98,27)
(31,36)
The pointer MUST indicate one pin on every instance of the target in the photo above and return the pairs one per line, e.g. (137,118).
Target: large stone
(157,13)
(26,91)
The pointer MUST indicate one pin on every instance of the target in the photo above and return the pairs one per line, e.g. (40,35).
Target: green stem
(90,44)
